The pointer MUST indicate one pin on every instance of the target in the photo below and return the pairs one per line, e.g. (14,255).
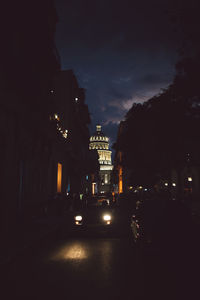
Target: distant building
(100,142)
(71,117)
(119,171)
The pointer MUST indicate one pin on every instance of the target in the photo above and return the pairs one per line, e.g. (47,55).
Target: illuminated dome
(100,142)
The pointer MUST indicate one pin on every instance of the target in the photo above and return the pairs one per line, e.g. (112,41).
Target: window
(106,178)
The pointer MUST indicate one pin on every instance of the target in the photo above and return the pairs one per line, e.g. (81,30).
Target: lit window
(106,178)
(93,187)
(190,179)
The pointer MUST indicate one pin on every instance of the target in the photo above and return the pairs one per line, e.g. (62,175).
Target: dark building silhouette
(43,120)
(29,61)
(72,118)
(119,170)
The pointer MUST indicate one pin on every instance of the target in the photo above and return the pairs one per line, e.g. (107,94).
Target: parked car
(161,222)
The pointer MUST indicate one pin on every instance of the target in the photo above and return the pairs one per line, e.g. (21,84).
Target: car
(101,215)
(158,223)
(95,215)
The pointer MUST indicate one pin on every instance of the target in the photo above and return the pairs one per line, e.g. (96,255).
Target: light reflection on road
(73,251)
(86,268)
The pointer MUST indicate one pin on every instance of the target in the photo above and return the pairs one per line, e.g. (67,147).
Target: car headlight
(78,218)
(107,217)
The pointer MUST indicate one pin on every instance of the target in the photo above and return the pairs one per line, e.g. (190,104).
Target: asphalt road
(97,267)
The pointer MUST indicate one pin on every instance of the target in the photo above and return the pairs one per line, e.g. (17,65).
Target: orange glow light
(120,181)
(93,188)
(59,178)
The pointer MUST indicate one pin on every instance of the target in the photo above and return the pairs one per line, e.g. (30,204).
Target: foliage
(159,134)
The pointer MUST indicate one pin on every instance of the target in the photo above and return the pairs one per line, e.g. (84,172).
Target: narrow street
(100,150)
(77,267)
(95,267)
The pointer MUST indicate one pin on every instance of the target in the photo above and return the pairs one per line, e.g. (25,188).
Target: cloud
(112,120)
(121,54)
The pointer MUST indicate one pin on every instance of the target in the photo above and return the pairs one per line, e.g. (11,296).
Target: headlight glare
(78,218)
(107,217)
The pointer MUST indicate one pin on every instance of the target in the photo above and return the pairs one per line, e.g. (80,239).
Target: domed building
(100,142)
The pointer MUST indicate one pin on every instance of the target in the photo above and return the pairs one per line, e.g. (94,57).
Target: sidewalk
(30,234)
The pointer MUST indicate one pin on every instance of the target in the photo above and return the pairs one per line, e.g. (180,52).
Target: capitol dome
(100,142)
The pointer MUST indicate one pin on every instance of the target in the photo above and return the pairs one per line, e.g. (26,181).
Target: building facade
(100,142)
(29,61)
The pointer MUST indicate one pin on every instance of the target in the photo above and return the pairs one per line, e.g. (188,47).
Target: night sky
(121,52)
